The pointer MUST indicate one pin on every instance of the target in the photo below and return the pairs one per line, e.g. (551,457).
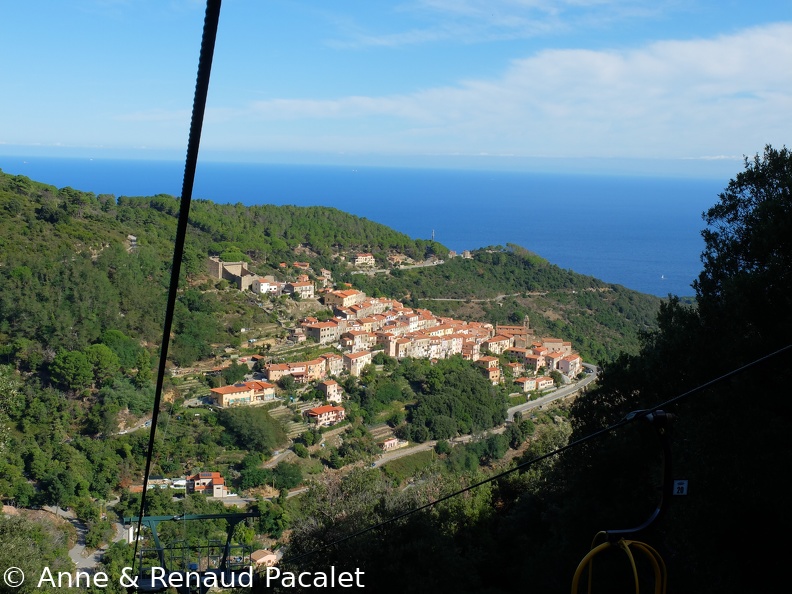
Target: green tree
(748,254)
(103,418)
(515,435)
(287,475)
(273,521)
(495,447)
(31,546)
(72,370)
(235,373)
(287,382)
(254,477)
(252,429)
(743,296)
(127,350)
(104,361)
(144,375)
(442,447)
(443,427)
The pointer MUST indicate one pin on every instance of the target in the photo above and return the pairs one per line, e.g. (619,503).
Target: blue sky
(671,86)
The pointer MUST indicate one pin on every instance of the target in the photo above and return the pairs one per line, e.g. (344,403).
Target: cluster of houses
(211,484)
(362,325)
(238,274)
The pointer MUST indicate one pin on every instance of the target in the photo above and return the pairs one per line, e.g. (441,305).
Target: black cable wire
(619,424)
(208,38)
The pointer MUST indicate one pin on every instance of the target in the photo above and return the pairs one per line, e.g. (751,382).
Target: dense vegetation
(70,271)
(531,529)
(83,282)
(444,399)
(82,293)
(252,429)
(453,398)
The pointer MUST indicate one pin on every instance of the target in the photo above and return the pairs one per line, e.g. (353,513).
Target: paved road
(485,299)
(143,423)
(282,456)
(556,394)
(374,271)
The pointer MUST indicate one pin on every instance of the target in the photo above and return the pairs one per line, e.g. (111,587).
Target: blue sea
(640,232)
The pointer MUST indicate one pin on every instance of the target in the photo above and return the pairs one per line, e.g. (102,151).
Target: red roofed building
(243,394)
(315,369)
(304,289)
(210,484)
(534,362)
(344,298)
(571,365)
(552,359)
(491,369)
(326,415)
(556,344)
(391,443)
(334,363)
(323,332)
(275,371)
(497,344)
(357,340)
(528,384)
(355,362)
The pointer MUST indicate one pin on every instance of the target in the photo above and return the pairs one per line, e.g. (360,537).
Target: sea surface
(640,232)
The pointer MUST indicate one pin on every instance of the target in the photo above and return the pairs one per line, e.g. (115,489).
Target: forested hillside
(83,281)
(529,530)
(70,271)
(75,265)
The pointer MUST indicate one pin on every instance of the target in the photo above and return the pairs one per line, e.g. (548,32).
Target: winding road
(83,558)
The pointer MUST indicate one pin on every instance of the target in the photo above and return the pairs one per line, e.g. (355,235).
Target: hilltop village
(363,326)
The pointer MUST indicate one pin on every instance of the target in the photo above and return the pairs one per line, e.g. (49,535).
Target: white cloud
(726,95)
(475,21)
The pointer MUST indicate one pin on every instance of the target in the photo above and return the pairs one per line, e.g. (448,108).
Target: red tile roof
(319,410)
